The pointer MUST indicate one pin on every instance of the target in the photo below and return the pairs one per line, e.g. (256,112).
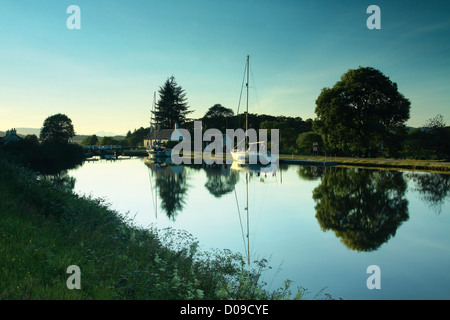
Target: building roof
(163,134)
(11,136)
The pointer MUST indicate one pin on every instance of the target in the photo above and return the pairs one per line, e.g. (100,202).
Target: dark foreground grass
(44,229)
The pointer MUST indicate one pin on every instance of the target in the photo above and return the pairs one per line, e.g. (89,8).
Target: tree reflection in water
(171,186)
(169,183)
(310,173)
(363,207)
(221,180)
(434,188)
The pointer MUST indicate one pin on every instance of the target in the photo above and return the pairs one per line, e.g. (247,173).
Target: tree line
(362,115)
(172,109)
(52,152)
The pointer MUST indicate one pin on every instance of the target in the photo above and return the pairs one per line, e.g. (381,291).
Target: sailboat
(156,149)
(255,150)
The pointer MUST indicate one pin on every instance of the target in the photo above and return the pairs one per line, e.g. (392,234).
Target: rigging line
(255,92)
(240,96)
(240,220)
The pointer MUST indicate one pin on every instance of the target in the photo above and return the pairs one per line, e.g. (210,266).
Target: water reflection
(310,173)
(363,207)
(221,180)
(434,188)
(169,182)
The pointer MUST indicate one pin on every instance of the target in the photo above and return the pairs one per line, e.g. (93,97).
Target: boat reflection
(169,187)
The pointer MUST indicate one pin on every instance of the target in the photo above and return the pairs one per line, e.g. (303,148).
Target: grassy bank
(439,166)
(45,228)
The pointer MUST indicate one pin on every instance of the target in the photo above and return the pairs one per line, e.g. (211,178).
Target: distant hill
(79,138)
(106,134)
(26,131)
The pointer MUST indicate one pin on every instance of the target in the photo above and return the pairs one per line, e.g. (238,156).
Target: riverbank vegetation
(46,158)
(437,166)
(52,152)
(45,228)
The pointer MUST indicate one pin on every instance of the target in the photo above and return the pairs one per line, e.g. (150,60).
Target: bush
(46,158)
(305,142)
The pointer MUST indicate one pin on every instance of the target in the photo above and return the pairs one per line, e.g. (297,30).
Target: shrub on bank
(46,158)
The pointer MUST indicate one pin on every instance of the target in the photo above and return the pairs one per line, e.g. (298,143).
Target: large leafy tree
(171,107)
(218,111)
(218,117)
(363,114)
(57,129)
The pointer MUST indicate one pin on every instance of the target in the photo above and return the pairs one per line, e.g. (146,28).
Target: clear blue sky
(103,76)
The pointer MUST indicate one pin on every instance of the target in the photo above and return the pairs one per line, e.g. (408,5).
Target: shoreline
(436,166)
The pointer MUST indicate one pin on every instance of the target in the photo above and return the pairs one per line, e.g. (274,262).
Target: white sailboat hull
(243,157)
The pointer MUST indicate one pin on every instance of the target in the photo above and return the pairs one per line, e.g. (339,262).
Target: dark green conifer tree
(171,107)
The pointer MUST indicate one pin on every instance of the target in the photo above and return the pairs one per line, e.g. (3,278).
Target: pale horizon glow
(103,76)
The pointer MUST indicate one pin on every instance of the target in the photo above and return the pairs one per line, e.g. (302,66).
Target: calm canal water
(320,227)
